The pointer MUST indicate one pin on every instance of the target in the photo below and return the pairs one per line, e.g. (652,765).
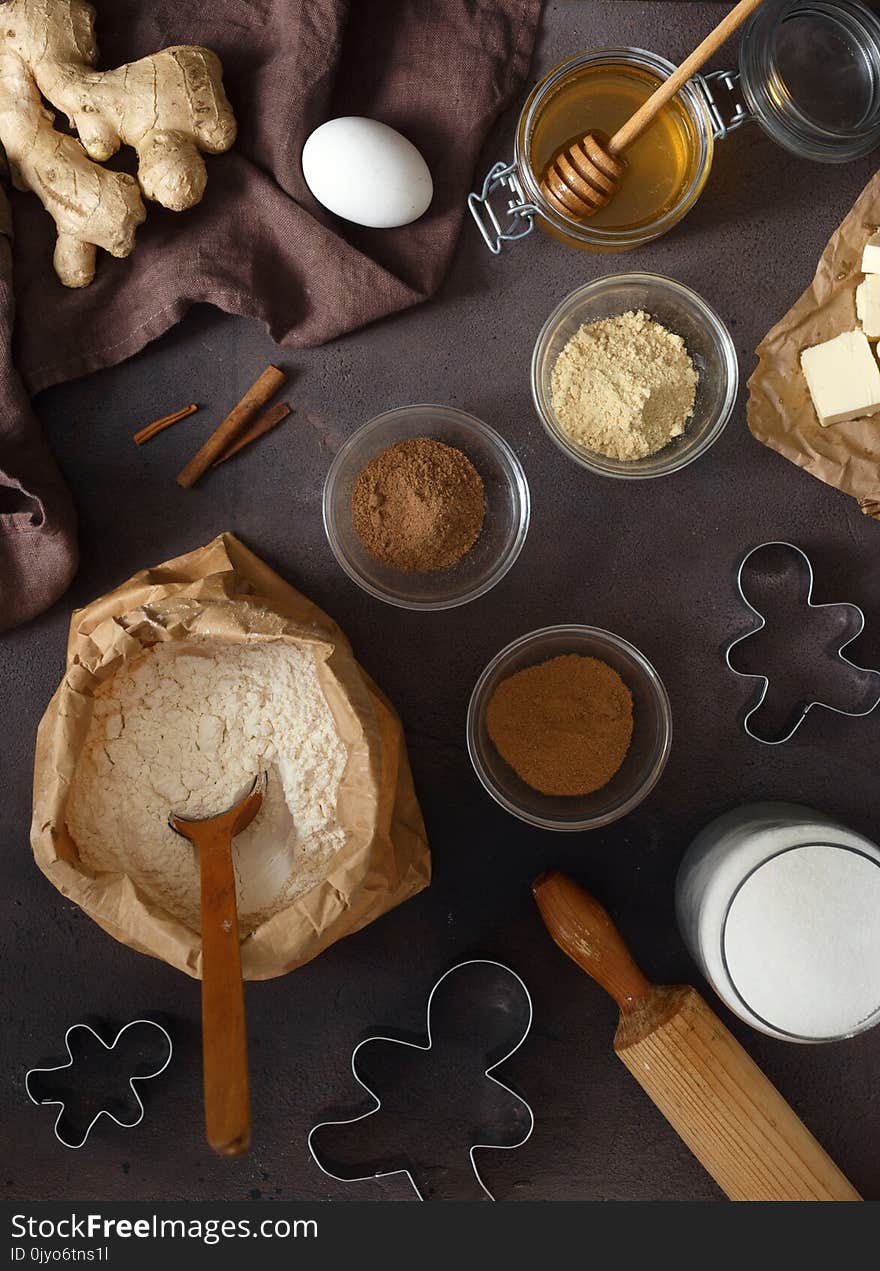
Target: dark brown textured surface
(653,561)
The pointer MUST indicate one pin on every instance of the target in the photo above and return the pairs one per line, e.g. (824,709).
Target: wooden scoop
(224,1033)
(583,177)
(714,1096)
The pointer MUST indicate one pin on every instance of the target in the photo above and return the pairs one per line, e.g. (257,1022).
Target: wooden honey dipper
(583,177)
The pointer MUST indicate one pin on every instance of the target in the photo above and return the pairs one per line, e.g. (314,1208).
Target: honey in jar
(663,162)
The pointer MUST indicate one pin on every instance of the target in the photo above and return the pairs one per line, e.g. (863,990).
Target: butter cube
(868,305)
(843,378)
(871,254)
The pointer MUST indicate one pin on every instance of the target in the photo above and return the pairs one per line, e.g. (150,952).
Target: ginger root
(169,107)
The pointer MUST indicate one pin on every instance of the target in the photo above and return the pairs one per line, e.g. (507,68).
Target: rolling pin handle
(583,930)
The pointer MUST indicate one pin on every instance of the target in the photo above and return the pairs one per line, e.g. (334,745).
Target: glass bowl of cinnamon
(426,507)
(569,727)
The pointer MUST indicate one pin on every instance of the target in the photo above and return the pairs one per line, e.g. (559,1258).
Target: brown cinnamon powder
(419,505)
(564,726)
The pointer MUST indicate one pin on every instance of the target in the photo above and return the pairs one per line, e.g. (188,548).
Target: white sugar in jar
(780,907)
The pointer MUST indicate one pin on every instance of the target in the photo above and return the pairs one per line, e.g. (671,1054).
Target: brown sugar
(564,726)
(419,505)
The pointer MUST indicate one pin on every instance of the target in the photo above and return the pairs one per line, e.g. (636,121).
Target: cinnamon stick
(233,425)
(258,428)
(159,425)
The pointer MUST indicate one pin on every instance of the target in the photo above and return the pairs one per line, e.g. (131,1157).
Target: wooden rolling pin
(714,1096)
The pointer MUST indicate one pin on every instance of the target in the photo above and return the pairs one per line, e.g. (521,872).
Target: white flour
(186,728)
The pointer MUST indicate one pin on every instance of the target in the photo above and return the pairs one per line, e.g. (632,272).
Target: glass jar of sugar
(780,907)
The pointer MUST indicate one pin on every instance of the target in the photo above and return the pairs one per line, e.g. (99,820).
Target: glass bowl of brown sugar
(584,724)
(409,558)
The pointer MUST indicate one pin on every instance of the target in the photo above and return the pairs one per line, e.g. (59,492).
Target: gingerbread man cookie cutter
(166,1045)
(523,1027)
(801,561)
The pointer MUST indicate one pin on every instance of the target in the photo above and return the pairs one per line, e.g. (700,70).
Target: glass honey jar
(809,75)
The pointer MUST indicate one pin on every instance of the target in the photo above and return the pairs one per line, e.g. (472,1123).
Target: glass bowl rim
(516,479)
(685,456)
(661,696)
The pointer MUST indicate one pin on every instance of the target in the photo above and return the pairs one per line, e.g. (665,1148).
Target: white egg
(366,172)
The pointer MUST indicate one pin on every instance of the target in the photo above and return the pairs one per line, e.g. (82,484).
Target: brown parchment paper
(780,412)
(223,590)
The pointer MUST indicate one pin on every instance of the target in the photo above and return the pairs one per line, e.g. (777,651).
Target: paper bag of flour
(780,412)
(221,597)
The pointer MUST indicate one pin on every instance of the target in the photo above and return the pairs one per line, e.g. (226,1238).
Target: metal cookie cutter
(804,707)
(515,999)
(166,1047)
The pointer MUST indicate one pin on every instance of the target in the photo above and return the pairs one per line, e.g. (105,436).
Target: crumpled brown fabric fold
(258,244)
(38,553)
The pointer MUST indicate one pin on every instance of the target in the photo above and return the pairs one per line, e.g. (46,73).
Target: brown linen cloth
(258,244)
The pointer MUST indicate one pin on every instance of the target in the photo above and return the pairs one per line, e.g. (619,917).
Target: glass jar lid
(810,74)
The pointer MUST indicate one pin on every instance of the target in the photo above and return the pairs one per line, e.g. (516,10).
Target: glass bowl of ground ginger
(569,727)
(634,376)
(426,507)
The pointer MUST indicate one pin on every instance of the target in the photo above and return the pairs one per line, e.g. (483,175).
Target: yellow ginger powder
(624,386)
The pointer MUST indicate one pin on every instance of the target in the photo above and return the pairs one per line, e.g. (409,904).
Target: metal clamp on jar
(809,75)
